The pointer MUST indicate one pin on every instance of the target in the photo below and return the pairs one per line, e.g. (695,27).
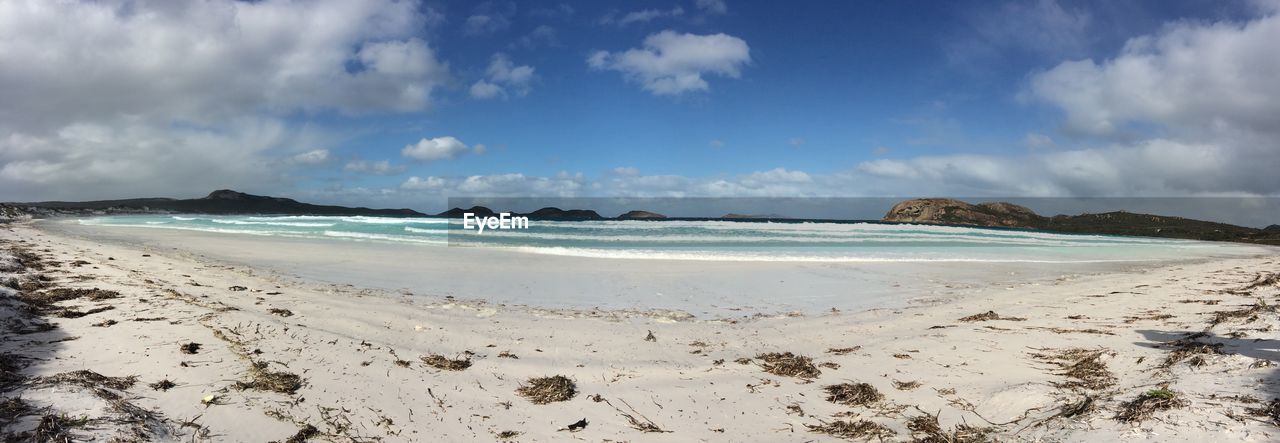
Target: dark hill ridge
(217,202)
(1000,214)
(641,215)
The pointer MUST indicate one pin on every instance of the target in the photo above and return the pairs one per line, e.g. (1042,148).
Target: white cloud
(419,184)
(489,17)
(482,24)
(431,149)
(713,7)
(120,97)
(716,143)
(313,157)
(1036,141)
(539,36)
(381,167)
(501,76)
(646,15)
(795,142)
(1191,75)
(1041,28)
(484,90)
(671,63)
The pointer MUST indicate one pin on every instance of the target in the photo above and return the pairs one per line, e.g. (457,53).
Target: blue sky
(404,103)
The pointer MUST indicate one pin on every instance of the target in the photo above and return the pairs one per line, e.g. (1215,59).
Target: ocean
(707,240)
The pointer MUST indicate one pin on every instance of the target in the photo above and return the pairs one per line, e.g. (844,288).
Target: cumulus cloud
(170,81)
(431,149)
(1191,75)
(1187,111)
(671,63)
(712,7)
(418,184)
(502,76)
(489,17)
(643,16)
(381,167)
(313,157)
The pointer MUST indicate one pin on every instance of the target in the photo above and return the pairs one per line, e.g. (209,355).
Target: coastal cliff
(955,212)
(944,211)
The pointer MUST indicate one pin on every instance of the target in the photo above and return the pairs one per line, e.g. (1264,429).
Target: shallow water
(708,240)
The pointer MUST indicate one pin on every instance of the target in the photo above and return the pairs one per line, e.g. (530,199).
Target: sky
(401,104)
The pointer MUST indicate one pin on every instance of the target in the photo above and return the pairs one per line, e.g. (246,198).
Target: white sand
(686,381)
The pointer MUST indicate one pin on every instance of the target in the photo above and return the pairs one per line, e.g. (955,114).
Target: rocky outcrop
(641,215)
(563,214)
(1272,228)
(955,212)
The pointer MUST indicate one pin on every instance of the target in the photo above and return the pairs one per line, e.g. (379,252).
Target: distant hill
(1000,214)
(217,202)
(641,215)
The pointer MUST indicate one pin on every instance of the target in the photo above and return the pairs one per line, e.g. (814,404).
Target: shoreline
(980,373)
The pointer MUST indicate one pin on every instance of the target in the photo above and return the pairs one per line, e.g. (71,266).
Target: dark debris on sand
(989,315)
(925,429)
(1249,313)
(853,394)
(445,363)
(1147,404)
(1191,349)
(787,364)
(87,379)
(853,430)
(1269,411)
(263,379)
(1084,369)
(543,390)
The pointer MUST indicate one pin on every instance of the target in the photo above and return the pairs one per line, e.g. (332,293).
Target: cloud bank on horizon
(401,103)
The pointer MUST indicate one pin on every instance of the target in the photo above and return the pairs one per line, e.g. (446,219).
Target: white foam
(641,254)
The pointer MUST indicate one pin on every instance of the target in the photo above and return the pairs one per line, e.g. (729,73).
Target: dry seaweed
(281,312)
(789,365)
(189,348)
(925,429)
(989,315)
(57,428)
(1269,411)
(543,390)
(87,379)
(853,394)
(1083,368)
(263,379)
(1249,313)
(305,433)
(1147,404)
(73,313)
(906,385)
(853,430)
(1191,349)
(843,351)
(163,385)
(445,363)
(10,364)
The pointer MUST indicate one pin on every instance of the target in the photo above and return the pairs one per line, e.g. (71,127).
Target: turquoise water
(709,240)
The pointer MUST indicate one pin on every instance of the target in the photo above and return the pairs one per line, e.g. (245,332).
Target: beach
(1175,352)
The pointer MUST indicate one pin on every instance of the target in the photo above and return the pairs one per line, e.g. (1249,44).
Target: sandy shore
(1180,353)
